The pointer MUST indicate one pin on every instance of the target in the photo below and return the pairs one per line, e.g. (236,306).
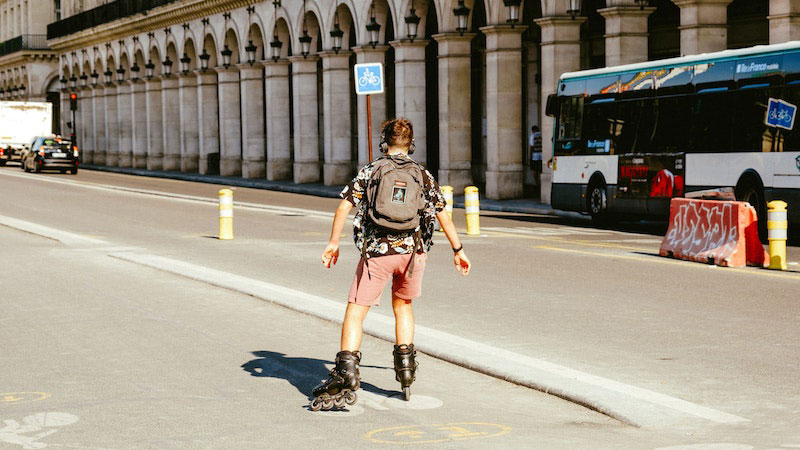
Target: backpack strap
(417,245)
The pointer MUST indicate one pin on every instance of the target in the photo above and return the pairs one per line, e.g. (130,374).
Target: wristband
(456,250)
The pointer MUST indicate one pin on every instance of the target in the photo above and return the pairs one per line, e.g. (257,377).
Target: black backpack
(395,198)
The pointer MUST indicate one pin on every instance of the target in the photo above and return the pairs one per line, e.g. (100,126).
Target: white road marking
(51,233)
(285,210)
(625,402)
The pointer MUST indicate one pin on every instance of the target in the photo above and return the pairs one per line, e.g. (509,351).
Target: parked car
(50,153)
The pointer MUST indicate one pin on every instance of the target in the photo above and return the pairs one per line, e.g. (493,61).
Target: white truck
(20,122)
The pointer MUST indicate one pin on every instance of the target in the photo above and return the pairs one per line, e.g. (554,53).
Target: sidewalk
(524,206)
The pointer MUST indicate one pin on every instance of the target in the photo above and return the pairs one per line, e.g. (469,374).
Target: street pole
(369,129)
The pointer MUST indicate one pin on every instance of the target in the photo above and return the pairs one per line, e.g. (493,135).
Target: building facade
(265,88)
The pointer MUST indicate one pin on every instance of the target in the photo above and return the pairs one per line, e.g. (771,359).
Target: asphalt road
(136,357)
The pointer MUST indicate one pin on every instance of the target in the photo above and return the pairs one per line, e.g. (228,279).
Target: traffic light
(73,102)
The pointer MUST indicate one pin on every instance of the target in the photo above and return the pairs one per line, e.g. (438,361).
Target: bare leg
(352,326)
(403,321)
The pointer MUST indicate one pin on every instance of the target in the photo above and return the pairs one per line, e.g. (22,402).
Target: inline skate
(405,367)
(339,389)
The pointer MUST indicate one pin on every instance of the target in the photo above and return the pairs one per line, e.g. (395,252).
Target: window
(57,9)
(569,126)
(672,120)
(713,121)
(600,126)
(636,125)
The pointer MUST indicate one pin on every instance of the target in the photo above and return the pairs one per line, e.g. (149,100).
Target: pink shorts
(367,289)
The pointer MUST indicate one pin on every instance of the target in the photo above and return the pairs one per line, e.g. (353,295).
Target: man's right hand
(462,262)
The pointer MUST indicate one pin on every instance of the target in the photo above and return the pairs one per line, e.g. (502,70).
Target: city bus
(627,139)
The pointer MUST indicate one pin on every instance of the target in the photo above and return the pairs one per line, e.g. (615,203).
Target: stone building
(28,68)
(265,89)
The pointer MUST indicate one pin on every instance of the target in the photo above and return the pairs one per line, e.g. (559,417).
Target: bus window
(673,118)
(750,133)
(712,122)
(600,126)
(637,124)
(569,126)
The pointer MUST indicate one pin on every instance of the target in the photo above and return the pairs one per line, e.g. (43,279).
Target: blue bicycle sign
(369,78)
(780,114)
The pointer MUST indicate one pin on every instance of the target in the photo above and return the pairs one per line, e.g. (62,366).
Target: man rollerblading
(398,204)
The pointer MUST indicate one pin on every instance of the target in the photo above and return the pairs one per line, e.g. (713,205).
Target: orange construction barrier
(710,231)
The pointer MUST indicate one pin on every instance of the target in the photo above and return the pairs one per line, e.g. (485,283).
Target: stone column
(230,120)
(503,111)
(366,54)
(66,113)
(704,25)
(139,114)
(208,118)
(626,34)
(86,124)
(255,150)
(112,126)
(560,52)
(125,121)
(455,122)
(338,168)
(279,152)
(784,21)
(190,128)
(100,140)
(171,120)
(409,69)
(155,128)
(306,165)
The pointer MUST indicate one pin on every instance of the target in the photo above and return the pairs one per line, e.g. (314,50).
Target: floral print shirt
(380,243)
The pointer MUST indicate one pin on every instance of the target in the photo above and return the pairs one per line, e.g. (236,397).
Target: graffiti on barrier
(704,230)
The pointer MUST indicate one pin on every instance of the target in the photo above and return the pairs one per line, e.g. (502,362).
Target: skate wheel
(407,393)
(316,404)
(327,403)
(350,398)
(339,401)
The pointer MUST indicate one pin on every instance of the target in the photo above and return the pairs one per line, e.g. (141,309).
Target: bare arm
(331,253)
(459,258)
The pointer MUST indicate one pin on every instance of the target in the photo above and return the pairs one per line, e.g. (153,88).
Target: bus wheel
(753,194)
(596,201)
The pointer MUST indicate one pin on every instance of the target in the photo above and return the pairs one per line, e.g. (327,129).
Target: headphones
(384,146)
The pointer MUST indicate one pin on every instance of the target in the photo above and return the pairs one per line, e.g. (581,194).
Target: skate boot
(405,367)
(339,389)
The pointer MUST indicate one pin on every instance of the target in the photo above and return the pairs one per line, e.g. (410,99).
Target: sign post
(369,80)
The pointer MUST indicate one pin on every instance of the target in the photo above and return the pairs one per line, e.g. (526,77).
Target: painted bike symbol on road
(20,433)
(381,402)
(431,434)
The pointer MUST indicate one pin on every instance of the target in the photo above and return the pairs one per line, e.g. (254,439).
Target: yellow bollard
(225,214)
(472,209)
(447,191)
(776,234)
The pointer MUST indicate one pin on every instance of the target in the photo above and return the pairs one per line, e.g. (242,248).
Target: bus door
(651,180)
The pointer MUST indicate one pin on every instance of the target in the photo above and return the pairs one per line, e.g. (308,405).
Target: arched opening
(208,104)
(663,25)
(593,30)
(531,94)
(431,23)
(53,96)
(747,23)
(478,95)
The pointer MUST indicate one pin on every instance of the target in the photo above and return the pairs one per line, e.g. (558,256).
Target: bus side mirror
(552,105)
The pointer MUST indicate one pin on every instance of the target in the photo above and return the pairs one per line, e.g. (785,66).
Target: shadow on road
(303,373)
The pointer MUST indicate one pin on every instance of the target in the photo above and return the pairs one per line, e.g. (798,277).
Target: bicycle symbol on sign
(368,77)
